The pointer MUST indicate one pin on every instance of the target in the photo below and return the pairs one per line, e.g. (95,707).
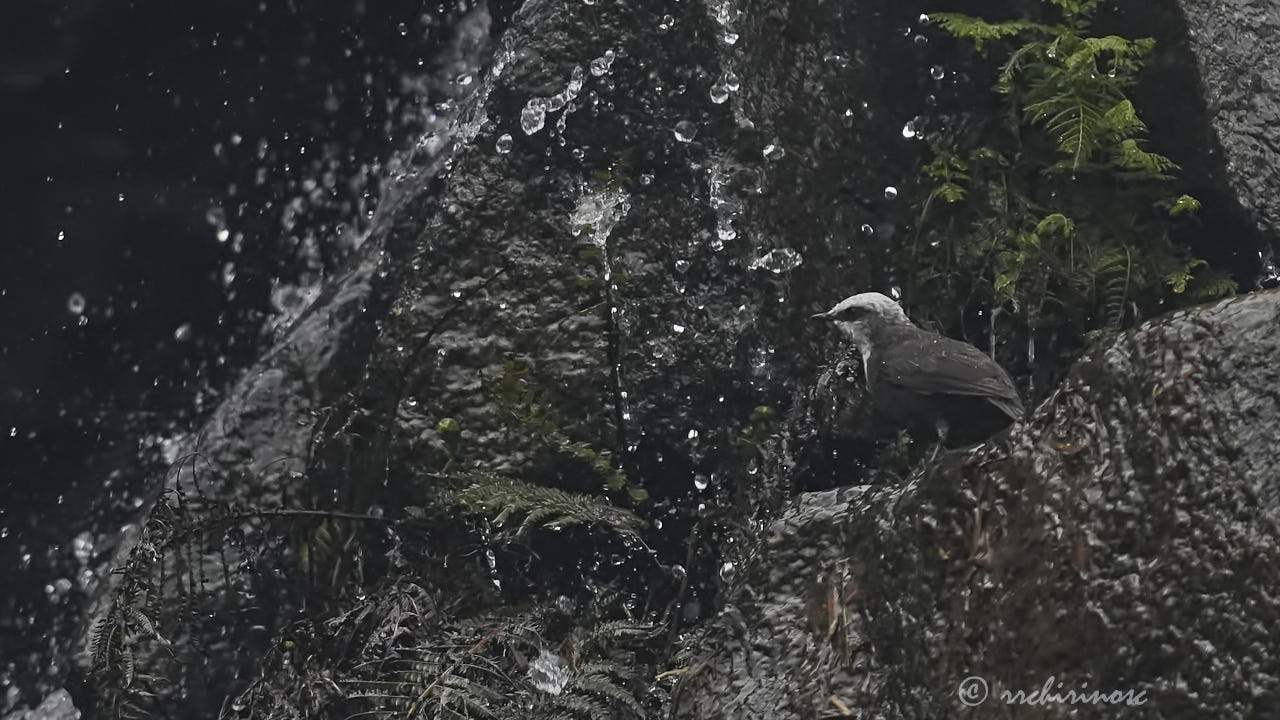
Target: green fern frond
(978,30)
(1055,224)
(1076,8)
(1114,272)
(1178,279)
(1122,121)
(1212,285)
(545,507)
(1076,121)
(1152,165)
(1184,204)
(532,408)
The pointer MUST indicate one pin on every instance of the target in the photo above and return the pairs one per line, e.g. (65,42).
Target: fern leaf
(583,707)
(1130,155)
(978,30)
(1122,121)
(1184,204)
(1178,279)
(602,686)
(1211,286)
(546,507)
(1115,273)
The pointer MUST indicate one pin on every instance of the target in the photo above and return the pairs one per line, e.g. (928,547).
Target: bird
(925,383)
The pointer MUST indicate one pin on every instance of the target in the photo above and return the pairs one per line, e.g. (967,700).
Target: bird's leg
(941,427)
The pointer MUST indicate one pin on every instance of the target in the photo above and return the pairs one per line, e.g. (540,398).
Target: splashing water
(599,213)
(685,131)
(549,672)
(600,66)
(778,261)
(534,115)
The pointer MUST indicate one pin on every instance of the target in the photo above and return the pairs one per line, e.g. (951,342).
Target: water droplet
(937,73)
(728,572)
(534,115)
(549,672)
(504,143)
(895,292)
(120,197)
(867,229)
(667,22)
(82,547)
(61,236)
(678,572)
(183,332)
(685,131)
(223,235)
(778,261)
(75,303)
(719,93)
(404,29)
(601,65)
(774,151)
(700,482)
(909,130)
(923,19)
(890,192)
(730,81)
(693,434)
(730,37)
(646,179)
(678,328)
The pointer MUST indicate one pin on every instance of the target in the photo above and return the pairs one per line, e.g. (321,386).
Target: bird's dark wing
(937,365)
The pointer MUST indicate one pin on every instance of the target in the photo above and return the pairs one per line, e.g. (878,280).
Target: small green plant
(531,408)
(1055,209)
(535,506)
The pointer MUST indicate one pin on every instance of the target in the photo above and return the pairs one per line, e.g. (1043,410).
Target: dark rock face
(649,254)
(1237,46)
(1222,128)
(1124,542)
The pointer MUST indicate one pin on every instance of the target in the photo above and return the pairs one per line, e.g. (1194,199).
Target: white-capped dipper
(924,382)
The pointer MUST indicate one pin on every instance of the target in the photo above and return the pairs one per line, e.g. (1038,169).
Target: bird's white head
(856,314)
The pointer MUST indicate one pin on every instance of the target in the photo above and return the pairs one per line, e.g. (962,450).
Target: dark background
(187,169)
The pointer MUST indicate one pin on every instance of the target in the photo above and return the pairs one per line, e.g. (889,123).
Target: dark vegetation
(1052,211)
(463,594)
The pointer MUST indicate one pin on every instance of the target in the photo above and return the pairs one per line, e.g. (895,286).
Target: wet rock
(612,262)
(1236,45)
(56,706)
(1221,128)
(1122,541)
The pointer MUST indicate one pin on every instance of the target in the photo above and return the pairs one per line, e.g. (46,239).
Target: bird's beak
(820,316)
